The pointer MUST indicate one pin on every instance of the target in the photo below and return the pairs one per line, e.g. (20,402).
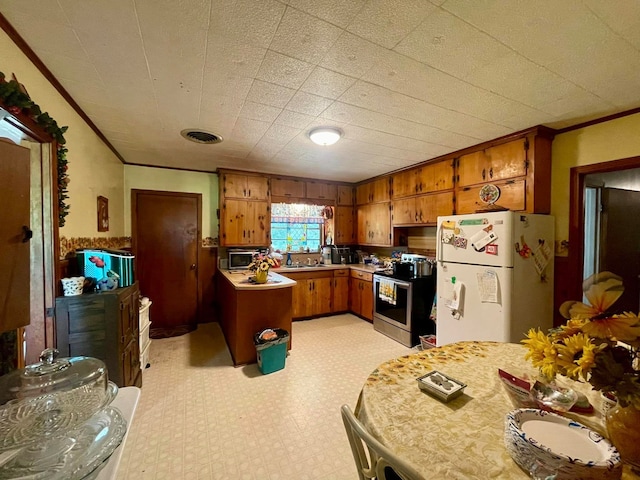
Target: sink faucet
(308,261)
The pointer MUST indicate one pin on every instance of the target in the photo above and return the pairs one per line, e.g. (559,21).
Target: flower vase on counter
(622,427)
(262,276)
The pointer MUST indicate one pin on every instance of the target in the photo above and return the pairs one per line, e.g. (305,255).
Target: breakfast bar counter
(246,308)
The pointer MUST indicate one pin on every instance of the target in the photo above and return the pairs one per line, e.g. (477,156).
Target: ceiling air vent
(200,136)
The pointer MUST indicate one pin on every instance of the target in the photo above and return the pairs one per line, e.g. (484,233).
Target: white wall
(166,180)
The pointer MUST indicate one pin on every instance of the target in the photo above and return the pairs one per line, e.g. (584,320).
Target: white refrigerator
(494,277)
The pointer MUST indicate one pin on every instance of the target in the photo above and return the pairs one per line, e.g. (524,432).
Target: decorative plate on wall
(489,194)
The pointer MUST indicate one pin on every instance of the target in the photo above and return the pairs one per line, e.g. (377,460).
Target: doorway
(604,229)
(166,235)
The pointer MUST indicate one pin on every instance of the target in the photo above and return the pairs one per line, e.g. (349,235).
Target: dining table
(464,437)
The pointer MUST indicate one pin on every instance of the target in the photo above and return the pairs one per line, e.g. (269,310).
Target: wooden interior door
(166,234)
(620,243)
(14,239)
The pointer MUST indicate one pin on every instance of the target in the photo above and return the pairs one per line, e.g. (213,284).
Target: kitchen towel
(387,291)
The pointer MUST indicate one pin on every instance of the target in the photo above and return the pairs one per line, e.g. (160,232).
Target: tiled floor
(201,418)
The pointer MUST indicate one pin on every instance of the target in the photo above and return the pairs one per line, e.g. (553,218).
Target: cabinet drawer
(144,357)
(144,337)
(341,273)
(367,277)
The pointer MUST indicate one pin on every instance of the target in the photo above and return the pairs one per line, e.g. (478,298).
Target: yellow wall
(93,169)
(613,140)
(147,178)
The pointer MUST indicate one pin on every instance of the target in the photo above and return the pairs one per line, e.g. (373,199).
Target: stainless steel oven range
(402,307)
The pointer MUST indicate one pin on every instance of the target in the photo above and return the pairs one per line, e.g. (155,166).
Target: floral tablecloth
(461,439)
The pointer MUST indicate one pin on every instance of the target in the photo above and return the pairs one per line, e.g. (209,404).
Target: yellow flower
(576,355)
(624,327)
(264,266)
(542,352)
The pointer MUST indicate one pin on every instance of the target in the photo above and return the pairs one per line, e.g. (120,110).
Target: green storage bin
(272,354)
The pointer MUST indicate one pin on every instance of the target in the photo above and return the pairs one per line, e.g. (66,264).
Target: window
(296,227)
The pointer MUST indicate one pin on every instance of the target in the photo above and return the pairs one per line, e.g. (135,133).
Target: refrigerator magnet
(460,242)
(491,249)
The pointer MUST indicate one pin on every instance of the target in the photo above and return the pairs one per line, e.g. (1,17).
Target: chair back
(380,463)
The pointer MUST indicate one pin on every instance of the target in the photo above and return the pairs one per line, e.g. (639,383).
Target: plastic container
(271,349)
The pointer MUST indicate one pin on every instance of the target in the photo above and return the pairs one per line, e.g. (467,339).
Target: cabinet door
(355,295)
(404,211)
(512,197)
(366,299)
(381,222)
(343,224)
(380,190)
(340,294)
(321,191)
(363,232)
(507,160)
(435,177)
(257,188)
(363,194)
(285,187)
(430,207)
(258,224)
(234,185)
(345,195)
(321,294)
(404,184)
(233,223)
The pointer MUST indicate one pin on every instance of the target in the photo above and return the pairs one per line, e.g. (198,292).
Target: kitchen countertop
(304,268)
(240,280)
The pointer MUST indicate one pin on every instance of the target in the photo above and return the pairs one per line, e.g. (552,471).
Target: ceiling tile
(270,94)
(309,104)
(352,55)
(294,119)
(246,21)
(222,84)
(449,44)
(37,10)
(336,12)
(387,23)
(233,58)
(304,37)
(326,83)
(96,16)
(283,70)
(259,111)
(249,131)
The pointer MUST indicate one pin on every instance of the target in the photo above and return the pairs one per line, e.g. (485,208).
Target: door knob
(192,266)
(27,234)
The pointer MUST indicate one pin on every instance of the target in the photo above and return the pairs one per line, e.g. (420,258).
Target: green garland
(16,99)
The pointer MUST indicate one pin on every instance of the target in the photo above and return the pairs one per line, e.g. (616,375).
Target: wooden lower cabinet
(361,294)
(103,325)
(340,301)
(311,294)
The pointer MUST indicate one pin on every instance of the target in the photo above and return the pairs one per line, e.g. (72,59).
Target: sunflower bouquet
(594,345)
(261,262)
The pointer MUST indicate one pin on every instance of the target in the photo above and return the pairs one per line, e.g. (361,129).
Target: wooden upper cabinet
(344,195)
(373,192)
(321,191)
(428,178)
(422,209)
(499,162)
(343,221)
(285,187)
(248,187)
(374,224)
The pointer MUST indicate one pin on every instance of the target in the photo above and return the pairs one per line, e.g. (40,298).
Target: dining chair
(381,463)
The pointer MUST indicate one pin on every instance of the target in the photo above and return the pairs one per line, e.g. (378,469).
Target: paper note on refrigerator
(541,256)
(454,295)
(488,286)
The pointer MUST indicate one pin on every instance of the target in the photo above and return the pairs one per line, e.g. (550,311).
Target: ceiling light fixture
(325,135)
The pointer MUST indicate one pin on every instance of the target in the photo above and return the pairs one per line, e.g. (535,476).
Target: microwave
(240,259)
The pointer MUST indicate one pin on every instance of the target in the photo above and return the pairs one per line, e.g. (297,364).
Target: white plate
(537,436)
(489,194)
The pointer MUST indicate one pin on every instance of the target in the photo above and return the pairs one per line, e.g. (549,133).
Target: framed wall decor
(103,214)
